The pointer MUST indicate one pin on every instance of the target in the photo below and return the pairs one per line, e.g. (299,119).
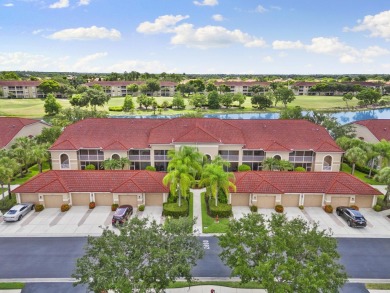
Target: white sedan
(16,213)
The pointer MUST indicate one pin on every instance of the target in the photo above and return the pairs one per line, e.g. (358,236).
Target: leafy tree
(212,87)
(256,89)
(67,90)
(355,156)
(216,179)
(198,100)
(6,174)
(111,164)
(239,98)
(347,97)
(1,93)
(49,135)
(49,86)
(9,75)
(284,95)
(226,99)
(144,257)
(198,85)
(144,100)
(128,104)
(383,176)
(368,96)
(185,88)
(213,100)
(79,100)
(260,101)
(273,164)
(331,124)
(51,105)
(383,149)
(39,154)
(223,88)
(70,115)
(291,113)
(95,97)
(283,255)
(178,102)
(347,143)
(132,88)
(21,152)
(152,86)
(165,104)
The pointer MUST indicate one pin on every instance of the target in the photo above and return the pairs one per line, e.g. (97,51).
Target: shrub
(7,203)
(116,108)
(90,167)
(279,208)
(377,208)
(382,103)
(328,208)
(380,200)
(39,207)
(301,207)
(244,167)
(253,209)
(355,207)
(223,210)
(173,210)
(65,207)
(92,205)
(141,208)
(150,168)
(222,198)
(114,206)
(300,169)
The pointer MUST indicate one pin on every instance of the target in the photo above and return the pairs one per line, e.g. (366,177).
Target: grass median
(210,225)
(11,286)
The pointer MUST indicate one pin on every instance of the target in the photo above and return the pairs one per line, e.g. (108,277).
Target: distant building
(302,88)
(373,130)
(21,89)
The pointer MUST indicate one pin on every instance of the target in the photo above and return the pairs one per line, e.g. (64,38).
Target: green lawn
(378,286)
(32,171)
(209,224)
(362,176)
(10,286)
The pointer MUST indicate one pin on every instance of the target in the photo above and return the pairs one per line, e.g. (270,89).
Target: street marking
(206,244)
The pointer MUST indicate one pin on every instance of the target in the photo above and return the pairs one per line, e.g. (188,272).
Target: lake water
(342,117)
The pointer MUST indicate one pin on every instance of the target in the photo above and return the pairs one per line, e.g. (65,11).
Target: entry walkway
(197,209)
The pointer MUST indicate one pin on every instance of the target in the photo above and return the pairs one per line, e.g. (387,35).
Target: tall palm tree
(214,177)
(123,162)
(383,149)
(355,156)
(383,176)
(371,157)
(13,165)
(187,155)
(284,165)
(6,175)
(111,164)
(40,155)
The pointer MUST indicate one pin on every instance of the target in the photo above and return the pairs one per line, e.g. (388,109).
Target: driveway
(152,213)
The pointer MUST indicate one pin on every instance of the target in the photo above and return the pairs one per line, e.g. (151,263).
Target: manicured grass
(10,286)
(378,286)
(32,108)
(249,285)
(209,224)
(32,171)
(362,176)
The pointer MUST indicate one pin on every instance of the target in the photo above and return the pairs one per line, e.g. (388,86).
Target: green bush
(244,167)
(377,208)
(301,207)
(141,208)
(150,168)
(361,168)
(279,208)
(7,203)
(173,210)
(114,206)
(328,208)
(116,108)
(223,210)
(39,207)
(380,200)
(222,198)
(90,167)
(65,207)
(300,169)
(253,209)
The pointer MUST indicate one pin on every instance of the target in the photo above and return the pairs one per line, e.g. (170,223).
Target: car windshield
(120,212)
(359,218)
(11,212)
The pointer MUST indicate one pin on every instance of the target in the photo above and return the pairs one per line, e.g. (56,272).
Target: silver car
(16,213)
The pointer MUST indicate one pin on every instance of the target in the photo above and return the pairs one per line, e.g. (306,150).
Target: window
(64,159)
(327,166)
(277,157)
(115,157)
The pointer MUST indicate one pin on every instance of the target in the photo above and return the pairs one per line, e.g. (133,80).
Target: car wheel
(32,207)
(20,217)
(338,213)
(349,223)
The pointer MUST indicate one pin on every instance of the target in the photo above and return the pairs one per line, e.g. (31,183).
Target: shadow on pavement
(53,287)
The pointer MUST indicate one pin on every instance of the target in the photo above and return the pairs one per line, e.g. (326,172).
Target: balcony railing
(230,158)
(327,168)
(252,158)
(91,157)
(301,159)
(65,166)
(139,157)
(161,158)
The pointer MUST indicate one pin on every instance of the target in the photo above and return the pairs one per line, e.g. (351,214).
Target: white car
(16,213)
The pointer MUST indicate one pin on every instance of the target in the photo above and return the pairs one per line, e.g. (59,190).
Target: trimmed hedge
(116,108)
(223,210)
(65,207)
(361,168)
(328,209)
(279,208)
(253,209)
(174,211)
(39,207)
(150,168)
(244,167)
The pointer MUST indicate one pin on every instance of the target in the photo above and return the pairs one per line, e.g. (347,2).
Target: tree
(128,104)
(239,98)
(383,176)
(79,100)
(95,97)
(213,100)
(49,135)
(260,101)
(39,154)
(49,86)
(216,179)
(152,86)
(132,88)
(198,100)
(198,85)
(223,88)
(185,88)
(211,87)
(51,105)
(284,95)
(144,100)
(226,99)
(273,164)
(283,255)
(291,113)
(347,97)
(256,89)
(355,156)
(144,257)
(383,149)
(178,102)
(9,75)
(6,175)
(70,115)
(368,96)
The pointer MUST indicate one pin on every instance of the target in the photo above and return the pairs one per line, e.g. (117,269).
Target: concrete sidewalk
(197,209)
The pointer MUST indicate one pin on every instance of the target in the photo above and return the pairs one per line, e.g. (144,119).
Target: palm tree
(123,161)
(40,155)
(214,177)
(111,164)
(11,164)
(371,156)
(269,164)
(284,165)
(383,149)
(383,176)
(219,161)
(187,155)
(355,156)
(6,175)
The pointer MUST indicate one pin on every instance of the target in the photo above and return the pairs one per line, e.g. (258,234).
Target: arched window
(115,157)
(64,158)
(327,166)
(277,157)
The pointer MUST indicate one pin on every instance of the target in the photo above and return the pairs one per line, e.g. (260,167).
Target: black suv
(353,217)
(122,214)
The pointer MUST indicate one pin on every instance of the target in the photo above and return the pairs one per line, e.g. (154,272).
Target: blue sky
(201,36)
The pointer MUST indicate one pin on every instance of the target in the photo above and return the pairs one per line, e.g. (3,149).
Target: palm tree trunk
(9,190)
(40,167)
(216,198)
(179,198)
(353,168)
(371,167)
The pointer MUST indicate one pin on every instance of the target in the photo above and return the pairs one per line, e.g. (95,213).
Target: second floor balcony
(301,159)
(249,158)
(139,158)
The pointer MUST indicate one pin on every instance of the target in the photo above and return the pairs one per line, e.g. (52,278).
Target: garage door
(266,202)
(53,201)
(128,199)
(154,199)
(363,201)
(103,199)
(312,200)
(340,201)
(290,200)
(240,199)
(28,197)
(80,199)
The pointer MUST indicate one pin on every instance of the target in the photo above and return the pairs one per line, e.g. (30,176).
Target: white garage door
(154,199)
(29,197)
(103,199)
(80,199)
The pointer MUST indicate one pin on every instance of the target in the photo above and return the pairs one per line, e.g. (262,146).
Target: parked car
(122,214)
(353,217)
(16,213)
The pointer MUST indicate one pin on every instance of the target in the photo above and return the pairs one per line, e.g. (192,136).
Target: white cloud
(23,61)
(60,4)
(38,31)
(140,66)
(206,3)
(378,25)
(327,46)
(86,33)
(212,36)
(162,24)
(375,51)
(8,4)
(261,9)
(83,65)
(268,59)
(218,17)
(84,2)
(347,58)
(283,45)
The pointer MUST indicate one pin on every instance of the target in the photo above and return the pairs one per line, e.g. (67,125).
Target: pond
(342,117)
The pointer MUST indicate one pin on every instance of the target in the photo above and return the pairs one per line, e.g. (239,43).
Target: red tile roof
(10,126)
(127,82)
(274,182)
(124,134)
(118,181)
(380,128)
(20,82)
(242,83)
